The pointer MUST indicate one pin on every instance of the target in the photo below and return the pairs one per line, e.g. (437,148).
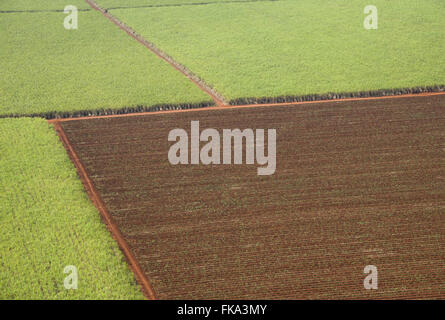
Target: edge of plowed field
(253,102)
(229,107)
(341,95)
(112,227)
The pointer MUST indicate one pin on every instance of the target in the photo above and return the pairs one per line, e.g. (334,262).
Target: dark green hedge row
(101,112)
(342,95)
(241,101)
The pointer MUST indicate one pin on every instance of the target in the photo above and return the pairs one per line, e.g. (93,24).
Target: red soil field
(357,183)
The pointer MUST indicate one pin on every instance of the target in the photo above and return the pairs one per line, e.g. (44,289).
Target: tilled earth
(357,183)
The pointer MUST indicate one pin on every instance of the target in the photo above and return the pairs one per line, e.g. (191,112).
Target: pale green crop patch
(40,5)
(47,223)
(300,47)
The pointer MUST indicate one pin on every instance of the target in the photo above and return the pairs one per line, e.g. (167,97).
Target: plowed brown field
(357,183)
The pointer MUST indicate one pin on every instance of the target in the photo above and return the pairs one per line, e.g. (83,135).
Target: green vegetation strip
(290,49)
(48,223)
(158,3)
(97,69)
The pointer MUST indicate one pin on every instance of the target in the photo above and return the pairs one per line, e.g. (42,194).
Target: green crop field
(48,69)
(299,47)
(40,5)
(247,50)
(47,222)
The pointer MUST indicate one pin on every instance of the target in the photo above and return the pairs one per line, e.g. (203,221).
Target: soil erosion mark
(218,98)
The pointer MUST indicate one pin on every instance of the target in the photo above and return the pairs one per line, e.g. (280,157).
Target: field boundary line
(112,227)
(218,98)
(230,107)
(338,95)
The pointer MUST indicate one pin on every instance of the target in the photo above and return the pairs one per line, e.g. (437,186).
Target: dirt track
(216,97)
(357,183)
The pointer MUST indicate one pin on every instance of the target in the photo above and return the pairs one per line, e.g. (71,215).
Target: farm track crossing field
(254,50)
(47,223)
(357,183)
